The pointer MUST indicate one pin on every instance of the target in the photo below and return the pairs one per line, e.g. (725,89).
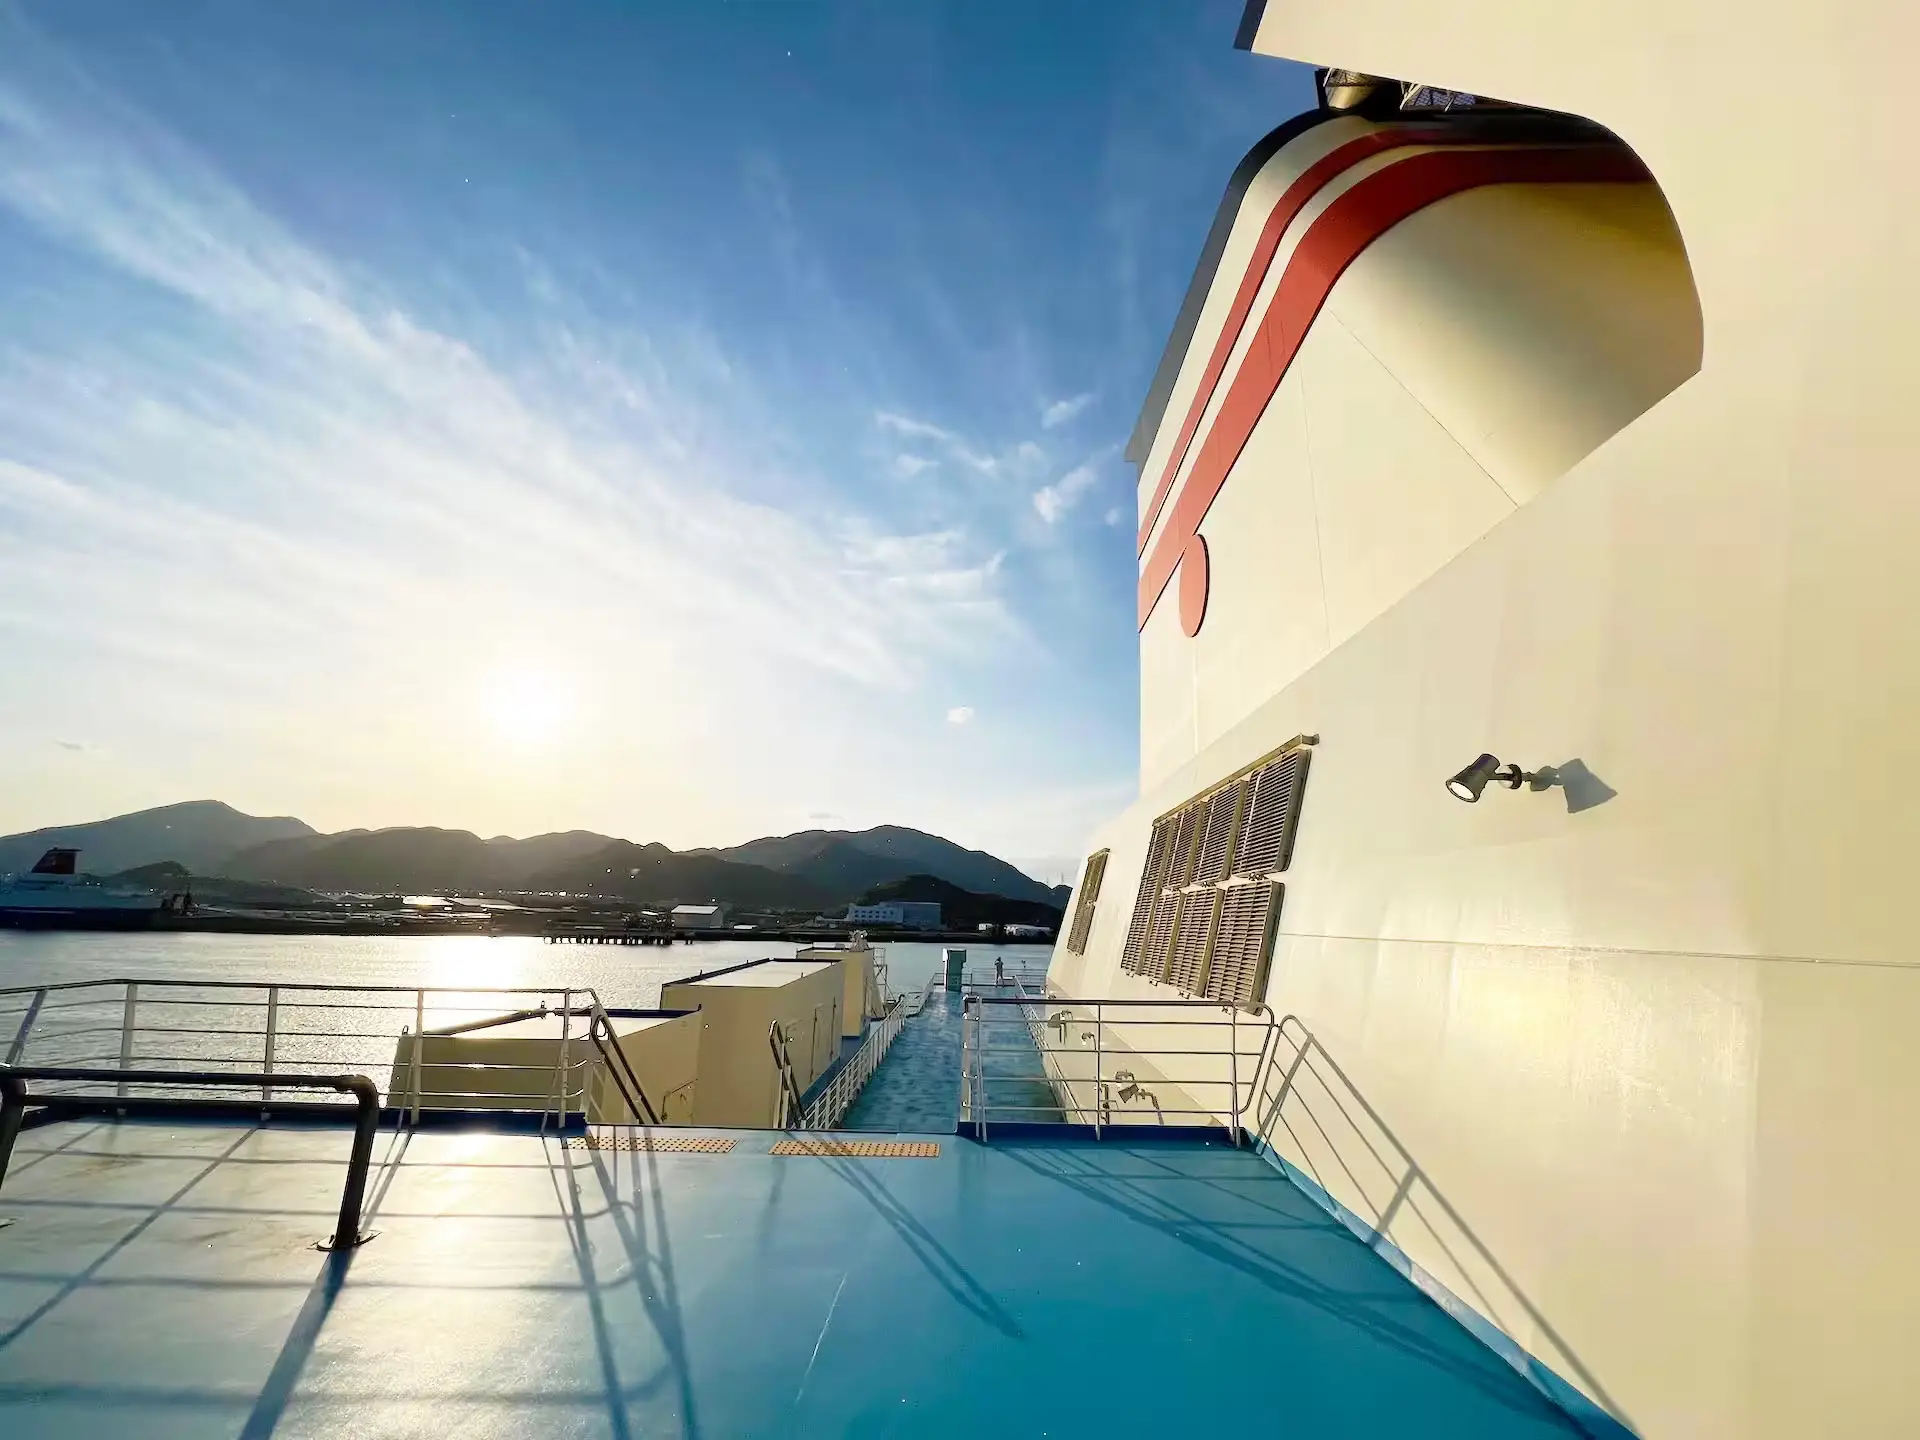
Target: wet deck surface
(917,1086)
(157,1281)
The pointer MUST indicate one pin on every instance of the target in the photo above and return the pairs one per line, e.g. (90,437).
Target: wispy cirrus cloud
(914,429)
(1051,502)
(1060,412)
(261,482)
(1018,460)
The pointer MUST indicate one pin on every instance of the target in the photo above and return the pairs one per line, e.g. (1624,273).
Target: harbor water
(917,1089)
(622,975)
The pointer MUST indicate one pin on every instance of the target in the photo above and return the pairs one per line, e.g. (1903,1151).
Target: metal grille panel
(655,1144)
(1198,911)
(1096,875)
(1243,943)
(1153,955)
(1158,847)
(1090,881)
(1192,824)
(860,1149)
(1273,813)
(1216,845)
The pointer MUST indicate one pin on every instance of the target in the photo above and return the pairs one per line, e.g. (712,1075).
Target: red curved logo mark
(1354,221)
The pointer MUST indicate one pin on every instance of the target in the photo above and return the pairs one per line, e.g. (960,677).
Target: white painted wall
(1470,357)
(1660,1055)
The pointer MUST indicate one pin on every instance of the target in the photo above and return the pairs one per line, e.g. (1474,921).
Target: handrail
(285,1029)
(1305,1048)
(790,1105)
(600,1031)
(831,1106)
(1098,1055)
(14,1099)
(285,984)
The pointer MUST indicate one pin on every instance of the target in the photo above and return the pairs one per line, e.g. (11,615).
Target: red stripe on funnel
(1310,182)
(1351,223)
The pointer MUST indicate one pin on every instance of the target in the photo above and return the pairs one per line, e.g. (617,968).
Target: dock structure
(564,933)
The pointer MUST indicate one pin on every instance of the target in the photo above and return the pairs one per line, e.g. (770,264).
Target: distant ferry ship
(54,894)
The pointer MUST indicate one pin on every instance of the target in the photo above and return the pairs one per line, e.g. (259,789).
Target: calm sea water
(623,975)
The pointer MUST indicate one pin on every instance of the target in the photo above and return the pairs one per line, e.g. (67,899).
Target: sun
(526,709)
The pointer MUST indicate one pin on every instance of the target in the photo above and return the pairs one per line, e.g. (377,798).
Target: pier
(565,934)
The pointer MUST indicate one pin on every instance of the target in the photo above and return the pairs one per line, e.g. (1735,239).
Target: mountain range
(816,869)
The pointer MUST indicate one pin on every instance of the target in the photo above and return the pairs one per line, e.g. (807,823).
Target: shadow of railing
(109,1256)
(1313,1118)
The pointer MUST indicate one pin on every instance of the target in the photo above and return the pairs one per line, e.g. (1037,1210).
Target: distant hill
(655,875)
(415,858)
(821,870)
(963,909)
(862,858)
(199,834)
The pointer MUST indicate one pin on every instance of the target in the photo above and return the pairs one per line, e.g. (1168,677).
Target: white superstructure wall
(1658,1053)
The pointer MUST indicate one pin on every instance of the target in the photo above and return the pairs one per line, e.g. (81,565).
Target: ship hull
(76,919)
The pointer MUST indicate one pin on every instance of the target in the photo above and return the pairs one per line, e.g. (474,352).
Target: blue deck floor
(157,1282)
(917,1087)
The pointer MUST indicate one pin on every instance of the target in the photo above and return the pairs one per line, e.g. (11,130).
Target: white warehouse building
(908,914)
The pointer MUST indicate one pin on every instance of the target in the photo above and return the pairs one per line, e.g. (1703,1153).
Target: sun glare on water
(525,709)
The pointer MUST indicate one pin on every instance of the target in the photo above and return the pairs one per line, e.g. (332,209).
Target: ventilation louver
(1243,943)
(1265,846)
(1209,898)
(1198,911)
(1090,881)
(1159,847)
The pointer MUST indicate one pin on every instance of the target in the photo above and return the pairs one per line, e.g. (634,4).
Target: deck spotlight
(1485,771)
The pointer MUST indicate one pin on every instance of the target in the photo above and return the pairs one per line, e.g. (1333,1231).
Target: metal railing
(1314,1117)
(618,1068)
(1005,977)
(281,1032)
(789,1104)
(1032,1057)
(15,1098)
(830,1106)
(924,996)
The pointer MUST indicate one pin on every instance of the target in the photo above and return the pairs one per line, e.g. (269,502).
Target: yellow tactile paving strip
(863,1149)
(683,1144)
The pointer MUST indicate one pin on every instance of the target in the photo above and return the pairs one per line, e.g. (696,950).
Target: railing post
(1233,1045)
(560,1075)
(966,1054)
(1286,1084)
(273,1028)
(419,1043)
(128,1011)
(19,1045)
(1099,1086)
(13,1108)
(979,1063)
(346,1233)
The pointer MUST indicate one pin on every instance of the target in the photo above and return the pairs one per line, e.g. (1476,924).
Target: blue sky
(684,420)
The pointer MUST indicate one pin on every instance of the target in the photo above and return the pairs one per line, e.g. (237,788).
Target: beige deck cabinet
(523,1062)
(739,1083)
(861,999)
